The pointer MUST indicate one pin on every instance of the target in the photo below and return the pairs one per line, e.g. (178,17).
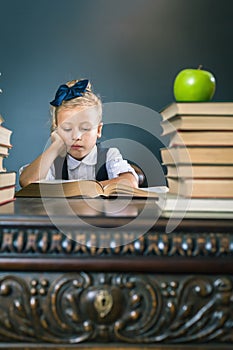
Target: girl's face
(79,128)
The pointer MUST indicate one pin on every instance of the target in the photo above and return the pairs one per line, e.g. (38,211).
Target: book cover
(5,135)
(7,194)
(201,138)
(199,155)
(200,170)
(201,188)
(7,179)
(176,203)
(4,150)
(198,123)
(195,108)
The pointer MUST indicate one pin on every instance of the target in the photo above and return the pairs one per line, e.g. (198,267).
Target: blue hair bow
(65,93)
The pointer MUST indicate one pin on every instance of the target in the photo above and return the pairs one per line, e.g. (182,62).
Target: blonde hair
(88,99)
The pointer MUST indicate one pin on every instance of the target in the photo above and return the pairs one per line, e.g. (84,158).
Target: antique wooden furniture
(107,274)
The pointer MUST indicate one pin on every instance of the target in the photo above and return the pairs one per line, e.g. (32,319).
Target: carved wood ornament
(86,307)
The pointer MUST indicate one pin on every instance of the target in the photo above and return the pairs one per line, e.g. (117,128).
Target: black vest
(61,170)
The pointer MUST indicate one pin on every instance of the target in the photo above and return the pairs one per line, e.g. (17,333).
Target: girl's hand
(60,144)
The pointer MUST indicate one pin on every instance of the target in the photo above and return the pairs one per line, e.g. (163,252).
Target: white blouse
(85,169)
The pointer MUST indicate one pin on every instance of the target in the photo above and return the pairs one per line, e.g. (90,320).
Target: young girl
(73,153)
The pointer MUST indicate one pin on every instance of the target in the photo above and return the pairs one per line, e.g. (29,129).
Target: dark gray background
(131,50)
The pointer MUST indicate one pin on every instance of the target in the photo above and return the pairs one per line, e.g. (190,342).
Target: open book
(86,188)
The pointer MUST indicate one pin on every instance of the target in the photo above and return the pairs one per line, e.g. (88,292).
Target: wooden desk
(105,274)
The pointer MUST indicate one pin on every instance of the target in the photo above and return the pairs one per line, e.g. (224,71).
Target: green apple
(194,85)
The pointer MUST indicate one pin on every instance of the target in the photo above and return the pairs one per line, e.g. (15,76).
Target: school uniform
(86,168)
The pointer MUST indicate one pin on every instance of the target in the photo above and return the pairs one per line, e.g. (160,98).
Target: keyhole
(103,302)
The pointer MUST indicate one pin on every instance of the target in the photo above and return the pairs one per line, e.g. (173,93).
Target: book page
(121,189)
(62,188)
(156,189)
(57,181)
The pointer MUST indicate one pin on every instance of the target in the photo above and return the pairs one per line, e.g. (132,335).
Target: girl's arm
(39,168)
(119,170)
(126,178)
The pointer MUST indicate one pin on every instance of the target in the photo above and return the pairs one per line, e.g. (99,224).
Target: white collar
(90,159)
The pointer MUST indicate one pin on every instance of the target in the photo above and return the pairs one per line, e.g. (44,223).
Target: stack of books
(7,178)
(199,157)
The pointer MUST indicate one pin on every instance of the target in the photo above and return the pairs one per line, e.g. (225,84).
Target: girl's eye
(85,129)
(66,129)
